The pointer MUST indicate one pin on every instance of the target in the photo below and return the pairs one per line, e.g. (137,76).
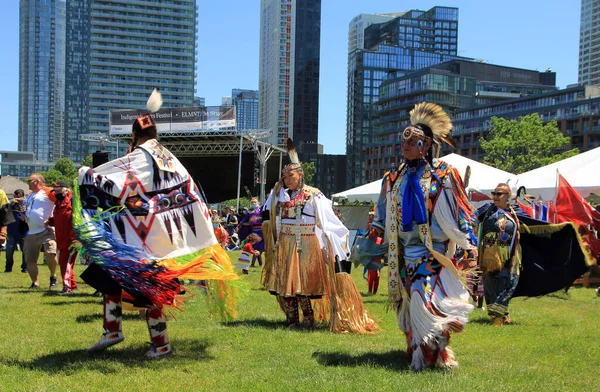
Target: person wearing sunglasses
(423,213)
(500,254)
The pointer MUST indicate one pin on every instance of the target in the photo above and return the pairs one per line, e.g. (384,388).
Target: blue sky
(531,34)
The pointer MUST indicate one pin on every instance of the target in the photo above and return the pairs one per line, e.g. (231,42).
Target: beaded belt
(290,229)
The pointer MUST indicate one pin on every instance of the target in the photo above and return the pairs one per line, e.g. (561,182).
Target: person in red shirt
(247,252)
(65,235)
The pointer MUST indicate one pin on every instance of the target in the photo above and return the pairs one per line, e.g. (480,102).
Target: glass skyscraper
(118,52)
(136,46)
(246,108)
(42,78)
(412,41)
(290,40)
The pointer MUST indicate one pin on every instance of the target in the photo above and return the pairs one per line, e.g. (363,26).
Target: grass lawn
(554,345)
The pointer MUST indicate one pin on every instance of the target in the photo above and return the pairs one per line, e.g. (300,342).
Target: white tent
(581,171)
(483,179)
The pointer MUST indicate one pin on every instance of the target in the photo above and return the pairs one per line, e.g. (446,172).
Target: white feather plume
(154,102)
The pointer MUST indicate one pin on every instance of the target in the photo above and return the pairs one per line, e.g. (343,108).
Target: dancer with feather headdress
(306,253)
(422,208)
(144,225)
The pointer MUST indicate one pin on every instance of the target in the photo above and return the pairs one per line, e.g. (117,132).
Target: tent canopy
(483,179)
(580,171)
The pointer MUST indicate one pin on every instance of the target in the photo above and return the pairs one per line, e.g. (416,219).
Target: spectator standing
(231,221)
(16,231)
(62,222)
(39,207)
(3,217)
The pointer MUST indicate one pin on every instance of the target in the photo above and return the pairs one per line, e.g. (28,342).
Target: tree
(309,171)
(53,175)
(88,161)
(517,146)
(66,167)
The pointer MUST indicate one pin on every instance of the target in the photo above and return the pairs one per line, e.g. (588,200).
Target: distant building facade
(453,85)
(42,26)
(412,41)
(589,43)
(246,108)
(290,42)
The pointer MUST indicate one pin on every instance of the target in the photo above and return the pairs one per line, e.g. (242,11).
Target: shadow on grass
(274,325)
(488,321)
(91,318)
(395,360)
(111,360)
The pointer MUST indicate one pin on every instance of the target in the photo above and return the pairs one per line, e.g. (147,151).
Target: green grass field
(554,345)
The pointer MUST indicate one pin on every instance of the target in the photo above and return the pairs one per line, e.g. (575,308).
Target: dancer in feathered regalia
(144,225)
(423,213)
(306,249)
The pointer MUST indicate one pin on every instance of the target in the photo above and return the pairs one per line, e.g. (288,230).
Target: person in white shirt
(39,208)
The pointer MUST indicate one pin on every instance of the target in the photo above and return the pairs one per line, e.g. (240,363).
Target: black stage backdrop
(218,176)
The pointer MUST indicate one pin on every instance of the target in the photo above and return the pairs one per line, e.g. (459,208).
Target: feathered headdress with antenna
(294,160)
(430,122)
(153,105)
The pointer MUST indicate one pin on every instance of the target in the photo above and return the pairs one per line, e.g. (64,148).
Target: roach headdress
(430,122)
(153,105)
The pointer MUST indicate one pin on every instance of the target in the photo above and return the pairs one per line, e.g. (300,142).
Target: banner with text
(177,120)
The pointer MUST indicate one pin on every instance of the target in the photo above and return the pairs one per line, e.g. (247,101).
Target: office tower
(290,35)
(199,101)
(246,108)
(358,25)
(589,45)
(42,78)
(77,79)
(414,40)
(134,47)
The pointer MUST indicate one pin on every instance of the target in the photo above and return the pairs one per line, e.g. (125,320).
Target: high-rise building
(412,41)
(589,44)
(290,37)
(42,78)
(356,29)
(454,85)
(77,79)
(131,48)
(246,108)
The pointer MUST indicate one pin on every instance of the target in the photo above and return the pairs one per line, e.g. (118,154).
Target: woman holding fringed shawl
(144,225)
(423,213)
(500,253)
(306,253)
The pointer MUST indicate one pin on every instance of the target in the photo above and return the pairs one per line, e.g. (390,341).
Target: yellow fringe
(213,266)
(347,310)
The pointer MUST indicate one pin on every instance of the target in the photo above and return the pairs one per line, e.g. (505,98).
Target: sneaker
(108,339)
(34,286)
(24,270)
(160,351)
(66,291)
(7,271)
(53,283)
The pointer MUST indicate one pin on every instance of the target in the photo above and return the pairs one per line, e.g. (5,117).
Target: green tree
(309,171)
(517,146)
(53,175)
(88,161)
(67,168)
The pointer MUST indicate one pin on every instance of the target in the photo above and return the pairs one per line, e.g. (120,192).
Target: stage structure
(201,132)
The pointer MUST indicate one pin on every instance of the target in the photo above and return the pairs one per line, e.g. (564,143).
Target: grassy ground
(552,346)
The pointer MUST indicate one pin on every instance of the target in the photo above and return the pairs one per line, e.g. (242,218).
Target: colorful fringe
(157,280)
